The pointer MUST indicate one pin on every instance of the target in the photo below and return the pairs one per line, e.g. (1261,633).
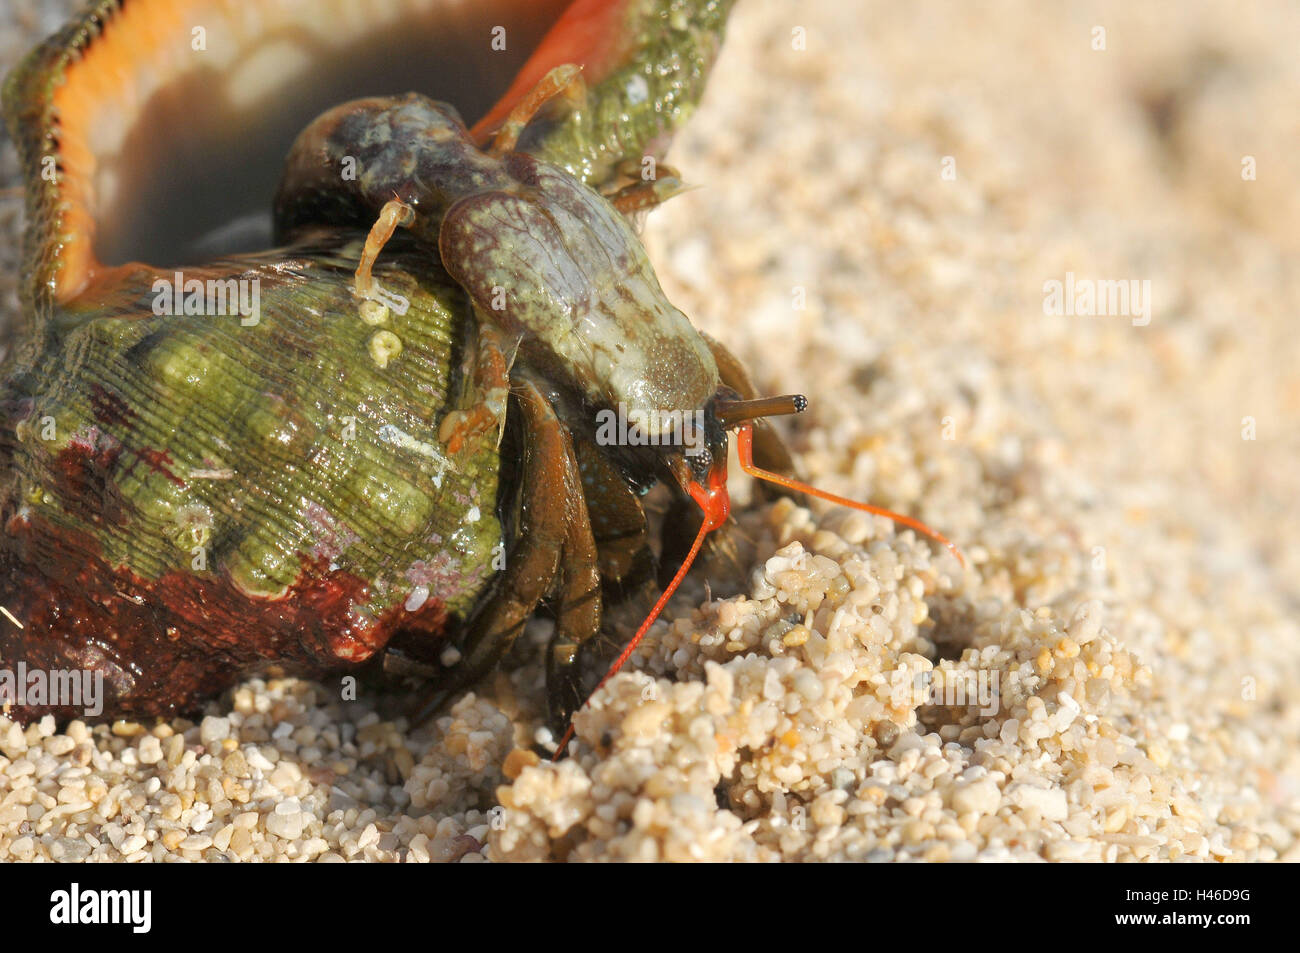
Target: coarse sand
(886,192)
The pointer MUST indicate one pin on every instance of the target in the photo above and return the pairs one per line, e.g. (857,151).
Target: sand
(1113,677)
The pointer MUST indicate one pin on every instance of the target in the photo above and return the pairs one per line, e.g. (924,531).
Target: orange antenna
(745,448)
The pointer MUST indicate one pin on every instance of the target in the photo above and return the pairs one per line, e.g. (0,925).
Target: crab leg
(553,531)
(643,195)
(394,215)
(565,80)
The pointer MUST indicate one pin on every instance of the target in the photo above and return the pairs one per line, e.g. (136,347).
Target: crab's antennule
(733,413)
(745,450)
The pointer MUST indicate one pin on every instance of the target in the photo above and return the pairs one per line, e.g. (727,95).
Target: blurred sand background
(1133,571)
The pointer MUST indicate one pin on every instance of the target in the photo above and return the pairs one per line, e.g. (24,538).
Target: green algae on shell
(234,496)
(304,445)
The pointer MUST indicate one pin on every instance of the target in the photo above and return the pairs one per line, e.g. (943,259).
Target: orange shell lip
(124,160)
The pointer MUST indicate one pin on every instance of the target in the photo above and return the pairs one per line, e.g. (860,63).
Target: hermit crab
(384,436)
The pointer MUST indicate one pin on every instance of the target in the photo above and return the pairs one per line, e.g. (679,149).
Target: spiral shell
(193,489)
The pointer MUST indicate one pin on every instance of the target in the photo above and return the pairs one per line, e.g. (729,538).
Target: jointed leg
(644,195)
(618,523)
(626,577)
(579,610)
(492,387)
(392,216)
(552,532)
(564,80)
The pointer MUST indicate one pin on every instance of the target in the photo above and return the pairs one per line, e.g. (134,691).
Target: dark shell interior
(194,174)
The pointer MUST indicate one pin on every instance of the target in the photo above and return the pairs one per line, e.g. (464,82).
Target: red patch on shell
(164,646)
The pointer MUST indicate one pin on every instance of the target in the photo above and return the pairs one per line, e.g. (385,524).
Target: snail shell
(189,496)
